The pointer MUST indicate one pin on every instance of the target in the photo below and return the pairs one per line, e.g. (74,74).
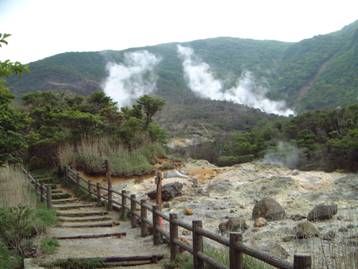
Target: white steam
(284,154)
(201,81)
(133,78)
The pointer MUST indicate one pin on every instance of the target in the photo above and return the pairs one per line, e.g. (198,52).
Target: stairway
(85,231)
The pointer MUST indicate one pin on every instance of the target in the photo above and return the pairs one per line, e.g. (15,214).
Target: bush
(18,224)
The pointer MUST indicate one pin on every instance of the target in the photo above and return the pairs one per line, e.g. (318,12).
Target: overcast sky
(41,28)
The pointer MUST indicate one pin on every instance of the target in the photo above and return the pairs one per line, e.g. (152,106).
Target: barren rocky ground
(215,194)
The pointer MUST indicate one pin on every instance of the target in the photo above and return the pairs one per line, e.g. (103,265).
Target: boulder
(275,250)
(260,222)
(305,230)
(233,225)
(169,191)
(322,212)
(269,209)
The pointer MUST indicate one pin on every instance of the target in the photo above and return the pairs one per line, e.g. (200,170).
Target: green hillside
(314,73)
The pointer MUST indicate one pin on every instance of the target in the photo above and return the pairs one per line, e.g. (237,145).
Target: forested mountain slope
(313,73)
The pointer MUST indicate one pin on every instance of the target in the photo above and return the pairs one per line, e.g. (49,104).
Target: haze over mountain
(272,76)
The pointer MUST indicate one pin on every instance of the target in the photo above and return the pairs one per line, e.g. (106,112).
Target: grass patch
(90,154)
(49,245)
(15,188)
(92,263)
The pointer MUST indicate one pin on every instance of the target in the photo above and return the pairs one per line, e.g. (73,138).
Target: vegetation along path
(92,237)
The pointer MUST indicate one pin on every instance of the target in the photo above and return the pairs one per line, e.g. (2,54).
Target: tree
(150,107)
(12,123)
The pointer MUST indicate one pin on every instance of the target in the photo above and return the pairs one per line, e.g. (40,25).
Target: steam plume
(201,81)
(133,78)
(284,154)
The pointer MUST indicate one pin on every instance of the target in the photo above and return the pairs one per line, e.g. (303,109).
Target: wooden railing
(43,191)
(140,216)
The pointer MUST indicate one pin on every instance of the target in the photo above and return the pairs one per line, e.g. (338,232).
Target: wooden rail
(234,243)
(43,191)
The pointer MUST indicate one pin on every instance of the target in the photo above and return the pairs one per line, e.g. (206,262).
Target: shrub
(18,224)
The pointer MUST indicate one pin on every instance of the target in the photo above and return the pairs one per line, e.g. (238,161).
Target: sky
(41,28)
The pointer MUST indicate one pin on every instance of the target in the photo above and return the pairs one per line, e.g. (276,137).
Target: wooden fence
(138,210)
(43,191)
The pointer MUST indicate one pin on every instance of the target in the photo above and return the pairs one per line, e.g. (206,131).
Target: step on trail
(85,231)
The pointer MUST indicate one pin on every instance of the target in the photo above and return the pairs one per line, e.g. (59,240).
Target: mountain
(314,73)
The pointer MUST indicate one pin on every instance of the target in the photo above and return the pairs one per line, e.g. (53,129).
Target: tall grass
(91,153)
(15,189)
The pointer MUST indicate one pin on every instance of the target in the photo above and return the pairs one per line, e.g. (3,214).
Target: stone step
(90,224)
(91,236)
(84,219)
(74,206)
(81,213)
(63,195)
(66,200)
(55,191)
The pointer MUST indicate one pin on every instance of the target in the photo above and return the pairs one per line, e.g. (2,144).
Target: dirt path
(86,231)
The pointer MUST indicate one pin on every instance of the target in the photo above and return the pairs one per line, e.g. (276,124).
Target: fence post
(109,205)
(108,169)
(37,185)
(158,182)
(236,257)
(197,244)
(42,192)
(143,217)
(302,261)
(173,232)
(49,196)
(78,181)
(156,222)
(89,188)
(124,204)
(133,209)
(98,194)
(65,172)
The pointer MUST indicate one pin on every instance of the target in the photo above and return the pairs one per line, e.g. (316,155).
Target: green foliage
(150,106)
(12,122)
(17,224)
(7,259)
(325,139)
(49,245)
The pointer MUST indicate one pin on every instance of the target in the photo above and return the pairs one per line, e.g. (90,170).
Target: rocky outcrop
(322,212)
(233,225)
(169,191)
(269,209)
(305,229)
